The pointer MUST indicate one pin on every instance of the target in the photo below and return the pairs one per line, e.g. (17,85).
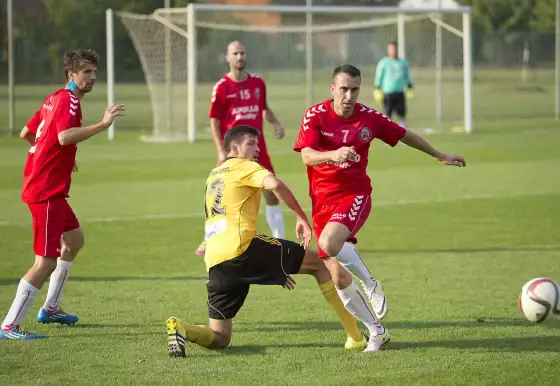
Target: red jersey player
(54,132)
(239,98)
(334,142)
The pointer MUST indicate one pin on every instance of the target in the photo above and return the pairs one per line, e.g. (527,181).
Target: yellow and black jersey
(231,206)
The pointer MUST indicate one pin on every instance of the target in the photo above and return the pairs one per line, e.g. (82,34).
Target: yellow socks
(346,319)
(201,335)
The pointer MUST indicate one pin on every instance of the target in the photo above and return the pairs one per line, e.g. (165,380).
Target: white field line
(166,216)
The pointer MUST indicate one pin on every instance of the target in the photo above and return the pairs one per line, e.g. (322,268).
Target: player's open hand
(453,160)
(111,113)
(279,131)
(290,283)
(344,154)
(303,232)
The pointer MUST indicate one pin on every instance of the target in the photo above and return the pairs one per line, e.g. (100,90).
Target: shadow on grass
(319,325)
(13,281)
(531,343)
(468,250)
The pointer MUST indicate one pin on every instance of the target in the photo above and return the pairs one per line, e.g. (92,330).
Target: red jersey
(239,103)
(49,165)
(323,130)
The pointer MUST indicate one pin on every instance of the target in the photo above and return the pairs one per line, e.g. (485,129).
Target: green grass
(452,246)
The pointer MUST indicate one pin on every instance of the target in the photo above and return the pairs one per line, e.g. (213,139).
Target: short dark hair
(76,60)
(393,43)
(347,69)
(236,135)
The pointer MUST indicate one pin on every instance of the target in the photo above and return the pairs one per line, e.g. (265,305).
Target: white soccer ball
(539,298)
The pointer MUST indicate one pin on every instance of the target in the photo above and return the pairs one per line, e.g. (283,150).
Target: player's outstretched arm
(414,140)
(78,134)
(312,157)
(284,194)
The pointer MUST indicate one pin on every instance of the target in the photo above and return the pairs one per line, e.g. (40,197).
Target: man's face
(248,148)
(85,77)
(346,90)
(392,51)
(236,56)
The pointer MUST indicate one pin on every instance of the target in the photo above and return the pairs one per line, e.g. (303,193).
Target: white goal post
(181,49)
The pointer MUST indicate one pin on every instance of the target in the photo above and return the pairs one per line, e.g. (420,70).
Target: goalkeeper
(392,79)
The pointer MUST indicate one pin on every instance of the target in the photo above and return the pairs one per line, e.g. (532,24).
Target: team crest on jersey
(365,134)
(257,93)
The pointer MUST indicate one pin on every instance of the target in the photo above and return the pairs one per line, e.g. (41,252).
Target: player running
(237,257)
(53,133)
(334,142)
(239,98)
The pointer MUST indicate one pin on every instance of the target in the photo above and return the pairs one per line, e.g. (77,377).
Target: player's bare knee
(72,242)
(221,340)
(44,266)
(330,244)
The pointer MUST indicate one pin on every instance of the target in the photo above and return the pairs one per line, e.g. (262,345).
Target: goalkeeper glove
(377,95)
(409,93)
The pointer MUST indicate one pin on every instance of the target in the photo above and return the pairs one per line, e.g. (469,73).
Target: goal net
(295,50)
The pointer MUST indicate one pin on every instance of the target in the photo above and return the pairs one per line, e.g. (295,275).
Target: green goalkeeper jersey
(392,75)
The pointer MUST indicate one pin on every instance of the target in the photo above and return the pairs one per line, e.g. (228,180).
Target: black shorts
(394,102)
(267,261)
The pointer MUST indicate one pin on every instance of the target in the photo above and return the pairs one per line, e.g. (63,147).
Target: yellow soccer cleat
(176,337)
(352,345)
(377,95)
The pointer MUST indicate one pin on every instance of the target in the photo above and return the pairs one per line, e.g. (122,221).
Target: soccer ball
(539,299)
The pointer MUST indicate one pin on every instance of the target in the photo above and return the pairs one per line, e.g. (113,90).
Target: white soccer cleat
(377,342)
(377,299)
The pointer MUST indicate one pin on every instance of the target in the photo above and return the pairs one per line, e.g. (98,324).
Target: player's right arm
(379,74)
(308,142)
(216,115)
(71,135)
(29,131)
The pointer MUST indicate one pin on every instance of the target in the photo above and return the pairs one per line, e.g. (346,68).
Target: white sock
(402,123)
(275,219)
(355,302)
(24,298)
(350,259)
(56,285)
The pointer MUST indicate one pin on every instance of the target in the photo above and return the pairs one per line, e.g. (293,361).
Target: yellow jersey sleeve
(253,174)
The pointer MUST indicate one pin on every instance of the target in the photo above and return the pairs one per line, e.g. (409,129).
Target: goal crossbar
(185,22)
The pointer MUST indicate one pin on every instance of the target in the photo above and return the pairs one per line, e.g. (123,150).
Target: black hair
(75,60)
(347,69)
(236,135)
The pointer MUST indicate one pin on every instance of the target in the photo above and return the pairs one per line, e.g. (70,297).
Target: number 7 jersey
(323,130)
(231,206)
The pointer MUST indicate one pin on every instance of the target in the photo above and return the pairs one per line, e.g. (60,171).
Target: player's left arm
(407,76)
(417,142)
(391,133)
(269,115)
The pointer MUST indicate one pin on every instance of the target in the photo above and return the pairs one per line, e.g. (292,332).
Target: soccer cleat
(18,333)
(201,250)
(352,345)
(377,342)
(176,337)
(59,316)
(378,300)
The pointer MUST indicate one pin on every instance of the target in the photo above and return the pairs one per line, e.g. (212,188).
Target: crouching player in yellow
(237,257)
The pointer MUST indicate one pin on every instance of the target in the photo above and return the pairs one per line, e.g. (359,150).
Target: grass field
(452,246)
